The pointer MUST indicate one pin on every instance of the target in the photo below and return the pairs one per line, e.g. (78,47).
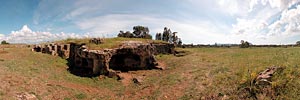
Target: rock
(112,74)
(26,96)
(264,78)
(137,80)
(96,41)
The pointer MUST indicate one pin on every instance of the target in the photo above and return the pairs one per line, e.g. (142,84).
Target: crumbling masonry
(131,55)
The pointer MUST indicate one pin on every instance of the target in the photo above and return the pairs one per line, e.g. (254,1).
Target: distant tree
(4,42)
(179,42)
(169,36)
(158,36)
(166,34)
(138,32)
(298,43)
(121,34)
(245,44)
(174,38)
(127,34)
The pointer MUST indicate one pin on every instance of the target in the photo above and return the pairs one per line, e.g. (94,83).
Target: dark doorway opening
(125,62)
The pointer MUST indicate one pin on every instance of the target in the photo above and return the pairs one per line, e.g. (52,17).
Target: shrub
(245,44)
(4,42)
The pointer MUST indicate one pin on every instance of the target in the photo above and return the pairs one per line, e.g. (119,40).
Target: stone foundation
(61,50)
(130,56)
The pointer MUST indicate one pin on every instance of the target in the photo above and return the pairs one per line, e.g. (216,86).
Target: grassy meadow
(203,73)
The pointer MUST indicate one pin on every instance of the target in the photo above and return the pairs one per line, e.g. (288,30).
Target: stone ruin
(54,49)
(96,41)
(264,77)
(129,56)
(261,84)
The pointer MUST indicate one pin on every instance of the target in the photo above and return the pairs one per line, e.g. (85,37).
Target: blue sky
(196,21)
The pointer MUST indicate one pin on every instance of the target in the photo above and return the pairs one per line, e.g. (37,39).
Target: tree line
(168,36)
(143,32)
(138,32)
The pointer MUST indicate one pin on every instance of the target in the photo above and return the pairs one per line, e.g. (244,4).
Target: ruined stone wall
(96,60)
(165,48)
(131,55)
(61,50)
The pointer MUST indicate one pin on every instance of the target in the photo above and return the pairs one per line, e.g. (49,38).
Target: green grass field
(203,73)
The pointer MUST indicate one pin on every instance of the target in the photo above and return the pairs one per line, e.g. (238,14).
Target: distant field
(203,73)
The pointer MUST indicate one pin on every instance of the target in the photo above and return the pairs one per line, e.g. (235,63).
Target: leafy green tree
(4,42)
(138,32)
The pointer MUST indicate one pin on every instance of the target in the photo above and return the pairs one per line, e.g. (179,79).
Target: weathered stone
(131,55)
(37,48)
(264,78)
(96,41)
(164,48)
(61,50)
(26,96)
(137,80)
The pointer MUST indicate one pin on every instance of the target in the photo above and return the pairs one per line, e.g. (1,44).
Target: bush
(245,44)
(138,32)
(4,42)
(298,43)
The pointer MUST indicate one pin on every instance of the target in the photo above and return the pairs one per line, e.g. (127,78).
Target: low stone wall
(61,50)
(165,48)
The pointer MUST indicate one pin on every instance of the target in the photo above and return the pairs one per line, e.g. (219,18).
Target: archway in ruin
(125,62)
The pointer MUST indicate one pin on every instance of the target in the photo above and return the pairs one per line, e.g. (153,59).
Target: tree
(169,36)
(174,38)
(298,43)
(138,32)
(127,34)
(4,42)
(179,42)
(121,34)
(166,34)
(245,44)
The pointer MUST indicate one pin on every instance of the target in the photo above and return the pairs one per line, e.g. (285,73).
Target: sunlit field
(201,73)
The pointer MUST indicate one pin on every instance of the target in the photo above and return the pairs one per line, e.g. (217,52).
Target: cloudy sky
(196,21)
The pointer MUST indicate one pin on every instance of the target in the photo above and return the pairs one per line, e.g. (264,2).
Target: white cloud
(1,36)
(288,24)
(231,7)
(269,21)
(189,31)
(234,7)
(107,18)
(26,35)
(197,21)
(281,4)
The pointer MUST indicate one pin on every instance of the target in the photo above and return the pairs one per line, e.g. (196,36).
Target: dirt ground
(31,75)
